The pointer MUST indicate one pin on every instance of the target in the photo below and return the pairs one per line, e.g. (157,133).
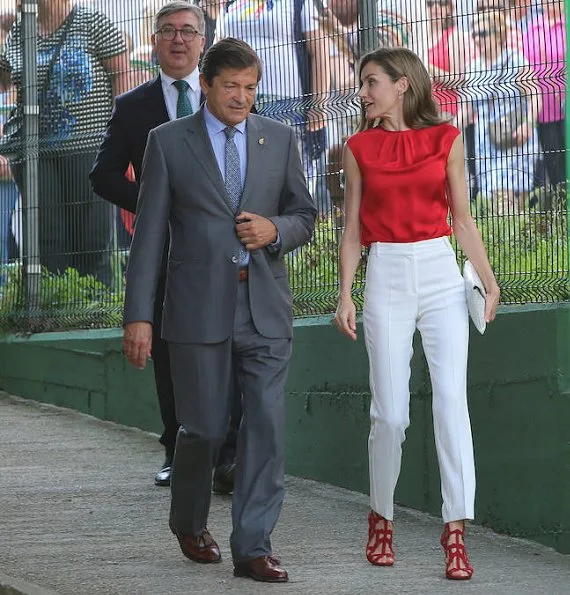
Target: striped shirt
(76,102)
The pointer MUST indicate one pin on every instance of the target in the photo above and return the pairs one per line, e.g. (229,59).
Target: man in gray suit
(230,187)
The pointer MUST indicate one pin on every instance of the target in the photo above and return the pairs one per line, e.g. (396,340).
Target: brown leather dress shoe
(201,549)
(264,568)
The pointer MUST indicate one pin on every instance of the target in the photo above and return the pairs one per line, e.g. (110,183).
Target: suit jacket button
(235,259)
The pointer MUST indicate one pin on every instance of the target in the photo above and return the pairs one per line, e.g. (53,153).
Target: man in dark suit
(178,43)
(230,187)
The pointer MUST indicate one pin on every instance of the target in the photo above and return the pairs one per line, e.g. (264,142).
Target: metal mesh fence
(499,73)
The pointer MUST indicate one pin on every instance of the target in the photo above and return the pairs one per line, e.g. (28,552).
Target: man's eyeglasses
(168,33)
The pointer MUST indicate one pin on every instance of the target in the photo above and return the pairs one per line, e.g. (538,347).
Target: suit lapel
(256,158)
(155,104)
(199,143)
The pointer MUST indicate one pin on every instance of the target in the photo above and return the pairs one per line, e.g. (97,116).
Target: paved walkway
(79,515)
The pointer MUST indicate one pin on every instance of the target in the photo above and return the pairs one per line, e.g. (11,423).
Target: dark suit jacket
(135,114)
(182,189)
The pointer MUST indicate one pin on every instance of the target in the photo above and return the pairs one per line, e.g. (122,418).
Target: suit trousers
(201,374)
(409,286)
(163,375)
(165,390)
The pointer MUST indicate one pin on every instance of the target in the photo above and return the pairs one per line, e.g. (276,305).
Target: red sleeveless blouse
(404,186)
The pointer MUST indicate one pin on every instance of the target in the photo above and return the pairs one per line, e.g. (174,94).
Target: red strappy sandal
(379,547)
(455,554)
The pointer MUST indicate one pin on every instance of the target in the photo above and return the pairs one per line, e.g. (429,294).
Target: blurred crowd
(498,68)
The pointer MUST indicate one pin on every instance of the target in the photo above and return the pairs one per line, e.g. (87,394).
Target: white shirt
(412,15)
(170,92)
(267,26)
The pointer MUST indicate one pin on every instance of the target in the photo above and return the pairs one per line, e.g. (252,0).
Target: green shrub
(65,301)
(528,252)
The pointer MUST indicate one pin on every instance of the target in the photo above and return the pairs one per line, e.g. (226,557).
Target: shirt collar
(193,79)
(216,125)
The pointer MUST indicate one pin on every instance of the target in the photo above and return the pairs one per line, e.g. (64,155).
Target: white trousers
(409,286)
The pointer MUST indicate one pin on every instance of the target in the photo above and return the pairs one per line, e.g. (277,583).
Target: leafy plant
(63,301)
(528,252)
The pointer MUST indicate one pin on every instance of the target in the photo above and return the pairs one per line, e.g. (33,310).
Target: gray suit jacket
(181,187)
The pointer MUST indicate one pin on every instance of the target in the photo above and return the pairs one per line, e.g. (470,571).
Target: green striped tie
(183,105)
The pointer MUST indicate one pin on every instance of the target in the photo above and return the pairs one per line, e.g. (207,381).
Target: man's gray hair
(177,6)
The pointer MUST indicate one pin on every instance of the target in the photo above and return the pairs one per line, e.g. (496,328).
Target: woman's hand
(345,317)
(491,302)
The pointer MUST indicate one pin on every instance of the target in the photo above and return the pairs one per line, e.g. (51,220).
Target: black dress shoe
(162,477)
(224,478)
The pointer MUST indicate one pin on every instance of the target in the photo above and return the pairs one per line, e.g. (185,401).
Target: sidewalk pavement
(79,515)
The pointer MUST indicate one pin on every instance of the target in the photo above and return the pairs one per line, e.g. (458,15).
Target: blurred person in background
(178,41)
(296,68)
(505,107)
(403,23)
(212,11)
(124,14)
(545,49)
(522,13)
(449,53)
(339,21)
(8,190)
(82,64)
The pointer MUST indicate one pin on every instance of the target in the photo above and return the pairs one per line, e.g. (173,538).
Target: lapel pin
(261,141)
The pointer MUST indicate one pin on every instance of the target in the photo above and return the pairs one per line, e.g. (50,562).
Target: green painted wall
(518,392)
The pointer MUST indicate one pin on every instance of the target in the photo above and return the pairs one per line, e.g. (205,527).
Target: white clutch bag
(475,294)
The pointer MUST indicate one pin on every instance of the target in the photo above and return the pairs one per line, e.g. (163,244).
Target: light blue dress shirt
(215,130)
(217,136)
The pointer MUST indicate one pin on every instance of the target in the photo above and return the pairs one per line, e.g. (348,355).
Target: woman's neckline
(392,131)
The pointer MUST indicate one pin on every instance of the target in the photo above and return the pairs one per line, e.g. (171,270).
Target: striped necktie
(232,178)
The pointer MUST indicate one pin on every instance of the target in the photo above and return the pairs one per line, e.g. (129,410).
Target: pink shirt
(545,49)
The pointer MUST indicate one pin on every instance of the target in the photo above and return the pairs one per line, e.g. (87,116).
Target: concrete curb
(12,586)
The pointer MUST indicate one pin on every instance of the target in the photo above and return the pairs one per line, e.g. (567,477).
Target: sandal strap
(455,553)
(380,536)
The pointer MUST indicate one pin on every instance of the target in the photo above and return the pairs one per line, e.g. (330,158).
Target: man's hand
(255,231)
(137,341)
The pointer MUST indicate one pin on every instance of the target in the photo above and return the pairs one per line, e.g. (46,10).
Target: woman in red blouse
(405,173)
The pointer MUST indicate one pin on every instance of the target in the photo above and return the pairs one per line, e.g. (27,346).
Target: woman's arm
(531,91)
(345,317)
(318,48)
(464,227)
(119,70)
